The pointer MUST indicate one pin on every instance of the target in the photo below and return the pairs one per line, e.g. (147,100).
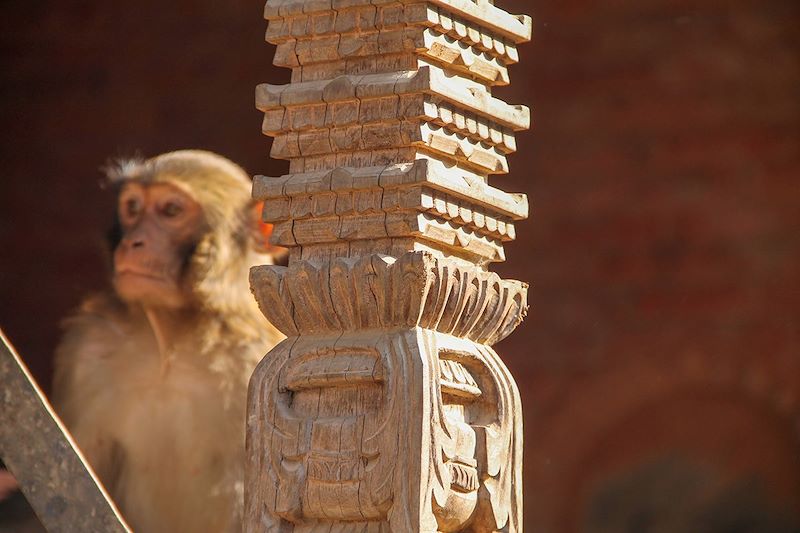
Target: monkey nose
(137,243)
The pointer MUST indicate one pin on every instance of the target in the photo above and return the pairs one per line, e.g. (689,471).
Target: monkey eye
(171,209)
(132,207)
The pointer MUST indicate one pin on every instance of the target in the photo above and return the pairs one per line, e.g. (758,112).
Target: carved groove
(422,290)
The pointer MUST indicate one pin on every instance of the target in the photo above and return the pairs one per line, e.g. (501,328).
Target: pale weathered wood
(54,476)
(386,409)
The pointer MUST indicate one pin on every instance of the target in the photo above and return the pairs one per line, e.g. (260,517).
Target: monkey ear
(261,233)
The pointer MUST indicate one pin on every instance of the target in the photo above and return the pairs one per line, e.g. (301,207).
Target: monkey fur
(169,444)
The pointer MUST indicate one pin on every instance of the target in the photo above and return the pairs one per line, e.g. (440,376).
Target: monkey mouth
(139,273)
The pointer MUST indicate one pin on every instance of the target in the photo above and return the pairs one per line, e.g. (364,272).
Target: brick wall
(661,359)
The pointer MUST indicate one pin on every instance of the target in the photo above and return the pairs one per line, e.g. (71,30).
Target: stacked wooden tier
(391,128)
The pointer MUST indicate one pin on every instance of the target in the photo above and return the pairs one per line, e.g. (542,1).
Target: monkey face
(161,225)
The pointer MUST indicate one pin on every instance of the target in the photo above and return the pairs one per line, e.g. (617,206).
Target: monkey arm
(82,397)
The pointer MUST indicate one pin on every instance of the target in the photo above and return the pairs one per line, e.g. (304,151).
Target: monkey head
(187,230)
(160,226)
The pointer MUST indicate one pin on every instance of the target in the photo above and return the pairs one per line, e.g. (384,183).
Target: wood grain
(55,478)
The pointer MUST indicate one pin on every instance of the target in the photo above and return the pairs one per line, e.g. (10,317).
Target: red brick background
(660,364)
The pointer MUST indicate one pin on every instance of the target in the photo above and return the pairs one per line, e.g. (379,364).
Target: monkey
(151,376)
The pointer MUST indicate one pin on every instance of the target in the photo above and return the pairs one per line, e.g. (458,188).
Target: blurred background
(659,366)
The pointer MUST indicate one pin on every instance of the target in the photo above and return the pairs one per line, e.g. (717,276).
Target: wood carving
(386,409)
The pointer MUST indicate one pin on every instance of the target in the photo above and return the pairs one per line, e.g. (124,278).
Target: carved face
(160,225)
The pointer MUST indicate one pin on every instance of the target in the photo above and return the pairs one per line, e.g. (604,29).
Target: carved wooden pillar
(386,409)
